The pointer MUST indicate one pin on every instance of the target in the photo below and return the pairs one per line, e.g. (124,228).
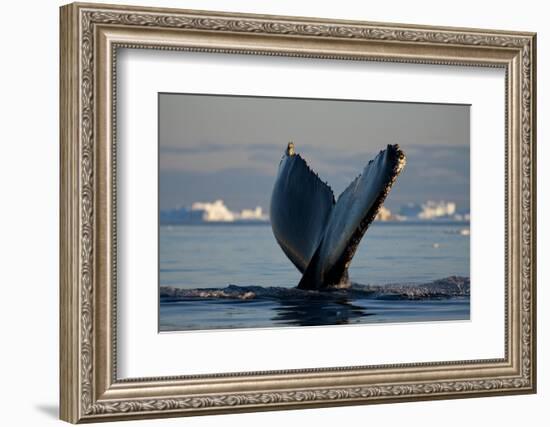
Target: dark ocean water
(211,256)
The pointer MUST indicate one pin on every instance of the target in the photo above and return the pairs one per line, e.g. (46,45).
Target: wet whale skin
(318,234)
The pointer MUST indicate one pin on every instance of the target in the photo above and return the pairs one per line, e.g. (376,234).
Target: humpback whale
(318,233)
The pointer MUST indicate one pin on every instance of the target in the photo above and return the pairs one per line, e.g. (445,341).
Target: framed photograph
(267,212)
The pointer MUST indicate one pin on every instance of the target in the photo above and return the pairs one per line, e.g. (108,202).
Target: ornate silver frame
(90,36)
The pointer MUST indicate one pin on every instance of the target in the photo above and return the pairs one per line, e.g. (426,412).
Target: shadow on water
(318,312)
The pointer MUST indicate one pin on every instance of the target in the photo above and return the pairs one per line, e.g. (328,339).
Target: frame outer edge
(69,355)
(78,298)
(534,270)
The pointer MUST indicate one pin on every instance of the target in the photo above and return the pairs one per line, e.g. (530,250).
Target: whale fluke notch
(320,236)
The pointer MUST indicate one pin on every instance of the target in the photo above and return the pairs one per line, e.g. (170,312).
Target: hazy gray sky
(229,147)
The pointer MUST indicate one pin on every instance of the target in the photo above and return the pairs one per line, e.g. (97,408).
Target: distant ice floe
(433,210)
(463,231)
(219,212)
(211,212)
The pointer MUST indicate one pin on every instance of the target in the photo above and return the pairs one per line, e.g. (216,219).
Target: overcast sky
(229,147)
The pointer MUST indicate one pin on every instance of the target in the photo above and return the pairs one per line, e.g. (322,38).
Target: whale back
(300,207)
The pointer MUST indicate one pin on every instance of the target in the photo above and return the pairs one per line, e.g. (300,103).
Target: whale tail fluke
(320,236)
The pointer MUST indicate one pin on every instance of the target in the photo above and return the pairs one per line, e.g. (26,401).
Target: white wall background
(29,171)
